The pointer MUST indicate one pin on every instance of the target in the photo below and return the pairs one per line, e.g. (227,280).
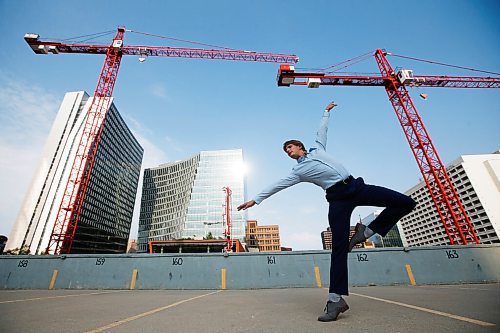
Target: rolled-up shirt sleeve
(282,184)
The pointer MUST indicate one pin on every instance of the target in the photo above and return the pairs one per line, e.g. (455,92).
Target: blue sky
(177,107)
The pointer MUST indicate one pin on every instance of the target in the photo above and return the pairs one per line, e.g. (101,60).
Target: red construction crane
(227,220)
(451,211)
(63,232)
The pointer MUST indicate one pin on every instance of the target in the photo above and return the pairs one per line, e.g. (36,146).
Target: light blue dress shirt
(315,167)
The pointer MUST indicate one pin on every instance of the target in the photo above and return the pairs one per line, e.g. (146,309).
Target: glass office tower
(393,237)
(106,215)
(185,199)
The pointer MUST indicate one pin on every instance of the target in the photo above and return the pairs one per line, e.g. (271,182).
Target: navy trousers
(342,201)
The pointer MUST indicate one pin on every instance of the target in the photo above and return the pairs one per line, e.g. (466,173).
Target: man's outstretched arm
(284,183)
(323,127)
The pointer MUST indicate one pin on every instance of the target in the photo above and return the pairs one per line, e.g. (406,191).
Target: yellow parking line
(61,296)
(318,276)
(53,279)
(410,275)
(144,314)
(223,278)
(440,313)
(134,279)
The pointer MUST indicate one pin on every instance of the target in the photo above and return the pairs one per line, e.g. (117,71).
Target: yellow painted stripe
(53,279)
(144,314)
(223,278)
(440,313)
(134,278)
(410,275)
(61,296)
(318,276)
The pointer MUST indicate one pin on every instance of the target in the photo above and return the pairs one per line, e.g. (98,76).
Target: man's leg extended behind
(397,205)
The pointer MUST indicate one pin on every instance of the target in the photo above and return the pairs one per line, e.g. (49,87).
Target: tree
(18,251)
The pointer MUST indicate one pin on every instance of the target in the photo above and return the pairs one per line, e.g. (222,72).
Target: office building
(263,238)
(326,239)
(477,181)
(106,212)
(393,237)
(186,199)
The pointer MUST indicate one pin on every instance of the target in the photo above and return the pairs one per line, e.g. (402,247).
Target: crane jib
(45,47)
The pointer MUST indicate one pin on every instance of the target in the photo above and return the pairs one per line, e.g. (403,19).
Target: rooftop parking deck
(433,308)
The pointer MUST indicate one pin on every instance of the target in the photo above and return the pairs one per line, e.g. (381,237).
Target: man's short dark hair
(296,143)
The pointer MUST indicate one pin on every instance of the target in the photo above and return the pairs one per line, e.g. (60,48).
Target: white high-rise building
(477,181)
(106,213)
(185,199)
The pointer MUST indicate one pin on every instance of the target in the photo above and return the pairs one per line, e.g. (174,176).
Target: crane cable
(182,40)
(443,64)
(102,35)
(96,35)
(353,60)
(349,62)
(352,63)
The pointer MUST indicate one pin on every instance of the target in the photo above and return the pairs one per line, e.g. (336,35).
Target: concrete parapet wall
(389,266)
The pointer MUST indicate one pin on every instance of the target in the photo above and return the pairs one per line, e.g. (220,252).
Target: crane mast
(227,220)
(454,218)
(69,210)
(71,204)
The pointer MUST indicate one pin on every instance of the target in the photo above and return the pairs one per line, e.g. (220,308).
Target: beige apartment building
(265,238)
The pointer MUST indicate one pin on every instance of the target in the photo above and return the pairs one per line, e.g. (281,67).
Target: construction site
(196,266)
(78,173)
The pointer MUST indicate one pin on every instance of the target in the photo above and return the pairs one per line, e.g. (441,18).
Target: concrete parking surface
(436,308)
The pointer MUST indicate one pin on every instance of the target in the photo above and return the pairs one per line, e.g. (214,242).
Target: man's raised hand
(330,106)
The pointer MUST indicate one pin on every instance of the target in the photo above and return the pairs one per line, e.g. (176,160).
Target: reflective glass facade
(106,214)
(185,199)
(393,237)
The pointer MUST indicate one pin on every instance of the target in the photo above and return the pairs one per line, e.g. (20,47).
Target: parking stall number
(452,254)
(23,263)
(271,260)
(100,261)
(177,261)
(362,257)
